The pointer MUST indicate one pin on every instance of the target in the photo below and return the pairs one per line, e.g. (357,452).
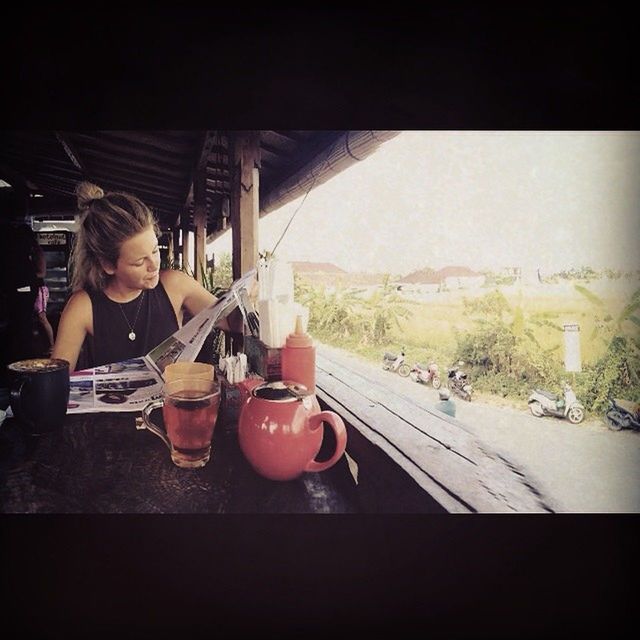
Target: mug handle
(336,423)
(16,402)
(146,423)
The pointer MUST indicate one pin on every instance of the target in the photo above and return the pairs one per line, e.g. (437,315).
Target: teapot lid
(281,391)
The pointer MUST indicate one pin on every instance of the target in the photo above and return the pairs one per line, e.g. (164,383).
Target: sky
(482,199)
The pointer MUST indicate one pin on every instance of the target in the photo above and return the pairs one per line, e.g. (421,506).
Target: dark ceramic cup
(39,393)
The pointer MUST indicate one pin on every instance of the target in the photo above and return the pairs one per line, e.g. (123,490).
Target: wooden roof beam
(52,168)
(110,158)
(72,152)
(146,195)
(165,183)
(122,147)
(37,179)
(272,150)
(55,186)
(206,144)
(28,159)
(149,139)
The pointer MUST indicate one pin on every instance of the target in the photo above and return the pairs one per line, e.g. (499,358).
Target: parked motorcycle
(395,362)
(544,403)
(623,414)
(457,382)
(425,374)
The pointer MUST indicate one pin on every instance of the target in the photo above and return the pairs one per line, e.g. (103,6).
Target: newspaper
(130,384)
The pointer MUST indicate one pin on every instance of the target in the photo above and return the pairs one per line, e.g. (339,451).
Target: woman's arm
(75,322)
(185,291)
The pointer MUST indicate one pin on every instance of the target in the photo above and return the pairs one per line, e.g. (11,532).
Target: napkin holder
(263,360)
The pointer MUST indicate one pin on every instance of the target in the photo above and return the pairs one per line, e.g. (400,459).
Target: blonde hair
(106,222)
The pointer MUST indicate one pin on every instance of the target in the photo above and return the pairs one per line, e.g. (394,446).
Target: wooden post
(245,205)
(200,223)
(225,212)
(176,247)
(184,223)
(170,251)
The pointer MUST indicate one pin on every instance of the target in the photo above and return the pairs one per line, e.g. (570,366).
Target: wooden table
(100,463)
(406,457)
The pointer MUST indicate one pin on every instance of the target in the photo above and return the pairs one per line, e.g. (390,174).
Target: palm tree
(335,314)
(505,341)
(616,372)
(387,307)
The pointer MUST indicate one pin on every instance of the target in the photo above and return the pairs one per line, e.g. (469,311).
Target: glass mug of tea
(189,410)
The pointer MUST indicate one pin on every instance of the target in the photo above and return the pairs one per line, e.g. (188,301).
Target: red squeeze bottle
(298,358)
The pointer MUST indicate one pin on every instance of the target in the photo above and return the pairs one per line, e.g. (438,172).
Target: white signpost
(572,347)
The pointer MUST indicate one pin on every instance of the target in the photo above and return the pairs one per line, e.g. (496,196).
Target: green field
(433,323)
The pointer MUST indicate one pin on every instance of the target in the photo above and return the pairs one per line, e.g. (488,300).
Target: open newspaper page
(120,386)
(130,384)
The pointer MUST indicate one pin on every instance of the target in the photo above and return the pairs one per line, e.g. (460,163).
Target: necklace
(132,334)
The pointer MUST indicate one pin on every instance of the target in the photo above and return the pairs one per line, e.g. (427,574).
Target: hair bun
(86,192)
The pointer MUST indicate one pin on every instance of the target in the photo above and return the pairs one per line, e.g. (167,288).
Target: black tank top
(110,343)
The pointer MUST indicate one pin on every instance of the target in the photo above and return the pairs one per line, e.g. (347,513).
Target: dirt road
(583,468)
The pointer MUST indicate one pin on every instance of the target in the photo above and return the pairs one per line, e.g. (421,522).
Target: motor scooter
(457,382)
(623,414)
(424,374)
(395,362)
(544,403)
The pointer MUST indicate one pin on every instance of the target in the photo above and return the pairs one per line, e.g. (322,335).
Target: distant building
(461,278)
(524,275)
(315,267)
(512,272)
(453,277)
(322,274)
(422,281)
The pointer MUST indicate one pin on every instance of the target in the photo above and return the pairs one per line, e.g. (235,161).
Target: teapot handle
(336,423)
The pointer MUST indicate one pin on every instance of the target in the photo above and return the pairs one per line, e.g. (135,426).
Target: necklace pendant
(132,336)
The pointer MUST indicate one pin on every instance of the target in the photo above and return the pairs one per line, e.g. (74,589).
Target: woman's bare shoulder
(79,300)
(186,291)
(171,276)
(174,280)
(79,309)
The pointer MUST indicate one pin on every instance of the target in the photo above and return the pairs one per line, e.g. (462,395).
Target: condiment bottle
(298,358)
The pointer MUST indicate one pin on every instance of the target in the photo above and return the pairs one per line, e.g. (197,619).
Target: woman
(42,298)
(122,304)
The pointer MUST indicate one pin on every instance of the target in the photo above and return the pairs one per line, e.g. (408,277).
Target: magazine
(130,384)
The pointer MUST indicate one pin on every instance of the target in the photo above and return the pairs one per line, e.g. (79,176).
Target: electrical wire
(315,177)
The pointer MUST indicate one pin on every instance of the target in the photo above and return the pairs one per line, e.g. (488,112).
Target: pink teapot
(280,431)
